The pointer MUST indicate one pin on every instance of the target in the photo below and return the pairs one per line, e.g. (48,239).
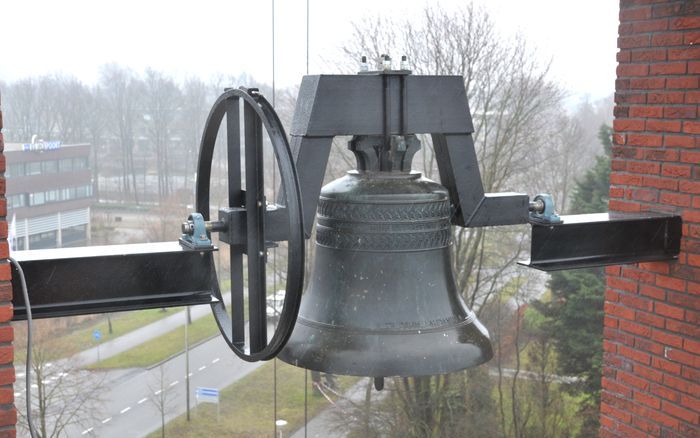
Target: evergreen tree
(575,312)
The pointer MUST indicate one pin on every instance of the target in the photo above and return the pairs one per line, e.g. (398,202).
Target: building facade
(49,193)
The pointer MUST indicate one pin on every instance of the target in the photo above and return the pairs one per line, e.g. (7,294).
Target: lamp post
(280,424)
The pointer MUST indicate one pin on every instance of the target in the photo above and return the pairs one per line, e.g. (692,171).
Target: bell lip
(484,359)
(308,348)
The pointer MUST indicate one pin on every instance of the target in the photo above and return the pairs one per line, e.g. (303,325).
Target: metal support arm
(98,279)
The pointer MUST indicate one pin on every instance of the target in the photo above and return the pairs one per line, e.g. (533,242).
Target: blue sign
(97,334)
(41,146)
(208,395)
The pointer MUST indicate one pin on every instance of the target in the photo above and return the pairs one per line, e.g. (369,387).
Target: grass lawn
(162,347)
(247,406)
(80,337)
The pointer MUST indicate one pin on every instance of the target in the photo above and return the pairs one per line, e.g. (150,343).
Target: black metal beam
(587,240)
(114,278)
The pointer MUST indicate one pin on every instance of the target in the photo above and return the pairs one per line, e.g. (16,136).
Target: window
(42,240)
(65,165)
(15,169)
(37,198)
(74,236)
(33,168)
(16,201)
(80,163)
(49,166)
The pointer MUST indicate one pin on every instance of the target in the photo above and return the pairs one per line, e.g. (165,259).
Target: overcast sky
(208,37)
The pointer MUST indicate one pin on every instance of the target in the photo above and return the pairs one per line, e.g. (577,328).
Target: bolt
(259,203)
(363,64)
(386,63)
(261,254)
(404,63)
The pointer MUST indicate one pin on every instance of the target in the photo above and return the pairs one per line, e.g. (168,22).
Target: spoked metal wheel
(249,225)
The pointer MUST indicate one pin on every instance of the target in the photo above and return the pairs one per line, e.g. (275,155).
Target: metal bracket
(542,210)
(194,233)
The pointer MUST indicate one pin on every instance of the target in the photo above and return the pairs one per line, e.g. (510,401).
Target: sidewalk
(141,335)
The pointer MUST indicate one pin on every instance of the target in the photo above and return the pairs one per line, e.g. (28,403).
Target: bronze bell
(382,300)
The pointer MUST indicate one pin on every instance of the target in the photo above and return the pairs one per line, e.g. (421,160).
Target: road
(130,409)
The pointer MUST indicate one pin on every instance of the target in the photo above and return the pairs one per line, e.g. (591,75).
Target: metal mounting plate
(587,240)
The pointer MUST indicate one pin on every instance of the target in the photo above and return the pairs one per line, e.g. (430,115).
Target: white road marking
(142,400)
(202,368)
(87,431)
(125,410)
(174,383)
(106,420)
(215,360)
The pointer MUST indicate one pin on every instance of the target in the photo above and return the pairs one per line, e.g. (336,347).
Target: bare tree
(162,399)
(64,397)
(122,91)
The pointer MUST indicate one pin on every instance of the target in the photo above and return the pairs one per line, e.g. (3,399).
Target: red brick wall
(651,370)
(8,415)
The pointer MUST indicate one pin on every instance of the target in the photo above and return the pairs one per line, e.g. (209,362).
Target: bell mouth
(388,352)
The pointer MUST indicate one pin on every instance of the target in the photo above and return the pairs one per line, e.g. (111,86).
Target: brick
(685,23)
(669,311)
(677,199)
(664,392)
(616,205)
(666,338)
(650,319)
(8,417)
(638,275)
(691,127)
(667,39)
(682,328)
(646,111)
(622,284)
(628,125)
(657,25)
(663,125)
(660,155)
(691,38)
(620,112)
(669,68)
(637,329)
(648,427)
(648,400)
(680,112)
(660,183)
(690,157)
(670,97)
(619,311)
(678,412)
(632,380)
(689,302)
(630,97)
(674,170)
(643,167)
(670,283)
(692,97)
(623,179)
(648,140)
(685,83)
(636,14)
(658,267)
(611,385)
(647,83)
(687,53)
(634,354)
(681,356)
(694,66)
(691,346)
(648,55)
(666,365)
(632,70)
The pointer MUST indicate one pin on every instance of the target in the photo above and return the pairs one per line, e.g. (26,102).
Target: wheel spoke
(235,199)
(255,215)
